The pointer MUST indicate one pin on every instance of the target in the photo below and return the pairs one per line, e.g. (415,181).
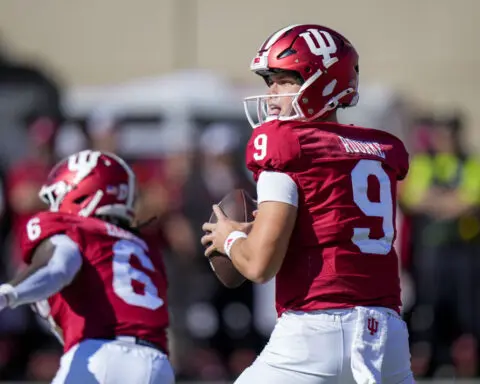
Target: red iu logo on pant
(372,325)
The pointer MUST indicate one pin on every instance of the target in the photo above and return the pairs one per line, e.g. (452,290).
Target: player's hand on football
(217,233)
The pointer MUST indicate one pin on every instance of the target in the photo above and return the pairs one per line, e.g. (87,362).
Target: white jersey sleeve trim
(277,186)
(62,268)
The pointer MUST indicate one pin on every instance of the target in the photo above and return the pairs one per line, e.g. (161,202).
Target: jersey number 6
(124,274)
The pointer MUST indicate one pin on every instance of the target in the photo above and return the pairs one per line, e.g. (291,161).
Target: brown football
(238,206)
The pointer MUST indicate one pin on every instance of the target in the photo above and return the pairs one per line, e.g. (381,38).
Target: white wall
(426,48)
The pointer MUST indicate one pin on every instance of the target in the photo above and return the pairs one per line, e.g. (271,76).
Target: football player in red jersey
(325,224)
(101,287)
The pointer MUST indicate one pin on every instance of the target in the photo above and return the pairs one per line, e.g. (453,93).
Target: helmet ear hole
(286,53)
(80,200)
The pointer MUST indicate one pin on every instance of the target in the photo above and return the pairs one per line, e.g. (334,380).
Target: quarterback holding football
(325,224)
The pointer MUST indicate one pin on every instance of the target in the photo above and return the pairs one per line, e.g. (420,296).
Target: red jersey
(120,289)
(341,251)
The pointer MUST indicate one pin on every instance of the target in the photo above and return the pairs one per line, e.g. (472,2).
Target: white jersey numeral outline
(383,208)
(124,274)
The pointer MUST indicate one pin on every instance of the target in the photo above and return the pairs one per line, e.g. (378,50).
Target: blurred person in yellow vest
(444,181)
(441,196)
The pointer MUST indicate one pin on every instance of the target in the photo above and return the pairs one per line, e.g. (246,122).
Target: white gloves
(8,296)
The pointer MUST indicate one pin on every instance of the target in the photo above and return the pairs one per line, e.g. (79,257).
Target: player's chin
(272,116)
(278,113)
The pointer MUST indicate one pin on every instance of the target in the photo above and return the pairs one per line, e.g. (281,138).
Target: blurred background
(161,83)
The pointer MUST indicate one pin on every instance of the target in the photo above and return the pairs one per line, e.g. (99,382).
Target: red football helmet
(91,183)
(326,63)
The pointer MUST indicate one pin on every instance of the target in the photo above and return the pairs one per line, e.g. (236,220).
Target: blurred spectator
(442,197)
(216,171)
(43,364)
(25,91)
(26,177)
(159,197)
(4,224)
(102,130)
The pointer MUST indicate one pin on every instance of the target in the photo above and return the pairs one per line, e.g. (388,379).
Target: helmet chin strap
(332,105)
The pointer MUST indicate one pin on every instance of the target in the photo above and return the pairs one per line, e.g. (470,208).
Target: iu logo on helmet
(83,163)
(321,43)
(372,325)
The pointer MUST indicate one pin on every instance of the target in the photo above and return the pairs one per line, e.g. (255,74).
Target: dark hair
(274,71)
(125,224)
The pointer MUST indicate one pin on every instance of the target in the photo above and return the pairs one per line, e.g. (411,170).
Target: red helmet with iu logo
(91,183)
(325,62)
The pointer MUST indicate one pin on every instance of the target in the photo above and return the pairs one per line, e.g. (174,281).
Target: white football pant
(363,345)
(95,361)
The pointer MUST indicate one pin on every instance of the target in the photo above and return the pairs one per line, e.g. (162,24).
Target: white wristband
(230,240)
(10,294)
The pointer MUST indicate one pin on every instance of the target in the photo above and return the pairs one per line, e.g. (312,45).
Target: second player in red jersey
(325,224)
(92,276)
(121,289)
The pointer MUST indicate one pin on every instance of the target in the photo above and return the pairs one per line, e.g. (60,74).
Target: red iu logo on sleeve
(372,325)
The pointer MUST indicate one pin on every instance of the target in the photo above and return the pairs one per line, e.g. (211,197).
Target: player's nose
(273,89)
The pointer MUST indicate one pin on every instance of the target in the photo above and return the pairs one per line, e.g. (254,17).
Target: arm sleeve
(277,186)
(62,268)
